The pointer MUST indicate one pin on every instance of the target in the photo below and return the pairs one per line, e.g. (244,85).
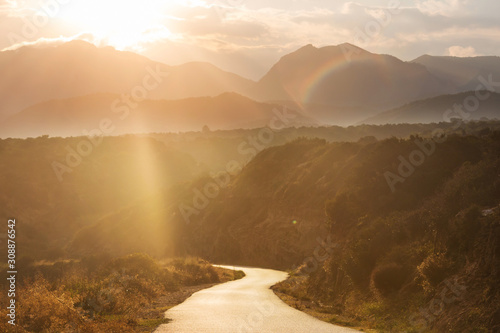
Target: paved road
(243,306)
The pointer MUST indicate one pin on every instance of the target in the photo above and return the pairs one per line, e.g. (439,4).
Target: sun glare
(121,24)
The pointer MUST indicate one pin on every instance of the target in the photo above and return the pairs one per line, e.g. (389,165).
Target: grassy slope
(424,224)
(129,188)
(98,294)
(427,264)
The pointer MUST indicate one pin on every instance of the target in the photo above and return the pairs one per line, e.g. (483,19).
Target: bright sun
(122,23)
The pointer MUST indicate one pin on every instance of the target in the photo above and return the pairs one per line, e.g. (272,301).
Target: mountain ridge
(33,75)
(440,108)
(462,72)
(331,77)
(72,116)
(337,84)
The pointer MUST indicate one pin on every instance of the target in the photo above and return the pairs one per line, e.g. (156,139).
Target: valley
(190,166)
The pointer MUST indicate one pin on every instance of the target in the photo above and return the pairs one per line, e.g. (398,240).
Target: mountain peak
(79,43)
(309,54)
(345,46)
(348,45)
(330,51)
(307,50)
(308,47)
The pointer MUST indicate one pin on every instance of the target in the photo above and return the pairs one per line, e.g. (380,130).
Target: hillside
(340,84)
(34,75)
(133,187)
(281,185)
(376,251)
(250,166)
(73,116)
(379,245)
(291,183)
(462,72)
(442,108)
(54,191)
(422,259)
(346,77)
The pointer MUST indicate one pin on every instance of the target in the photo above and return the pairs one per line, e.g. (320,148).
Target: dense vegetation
(421,258)
(102,294)
(280,195)
(117,173)
(134,184)
(376,247)
(424,258)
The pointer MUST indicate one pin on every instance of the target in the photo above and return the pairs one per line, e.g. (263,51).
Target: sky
(248,36)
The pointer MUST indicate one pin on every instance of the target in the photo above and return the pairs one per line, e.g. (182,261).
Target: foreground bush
(99,294)
(389,278)
(434,269)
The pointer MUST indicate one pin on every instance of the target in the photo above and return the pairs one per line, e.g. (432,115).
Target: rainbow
(335,64)
(322,72)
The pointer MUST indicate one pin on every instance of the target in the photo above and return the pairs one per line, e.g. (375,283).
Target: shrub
(193,271)
(470,226)
(434,269)
(44,310)
(389,278)
(138,264)
(342,211)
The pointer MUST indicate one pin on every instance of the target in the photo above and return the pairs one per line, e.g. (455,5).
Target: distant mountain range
(59,90)
(74,116)
(34,75)
(462,73)
(442,108)
(332,77)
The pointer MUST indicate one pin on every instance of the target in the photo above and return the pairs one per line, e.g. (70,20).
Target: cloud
(263,30)
(20,8)
(425,26)
(450,35)
(45,42)
(442,7)
(5,7)
(206,21)
(459,51)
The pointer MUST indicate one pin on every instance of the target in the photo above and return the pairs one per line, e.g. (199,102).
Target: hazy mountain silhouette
(33,75)
(72,116)
(345,76)
(441,108)
(463,73)
(340,85)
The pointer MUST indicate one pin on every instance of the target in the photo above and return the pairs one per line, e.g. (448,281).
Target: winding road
(243,306)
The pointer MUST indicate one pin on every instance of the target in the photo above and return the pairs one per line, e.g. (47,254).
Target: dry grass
(127,294)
